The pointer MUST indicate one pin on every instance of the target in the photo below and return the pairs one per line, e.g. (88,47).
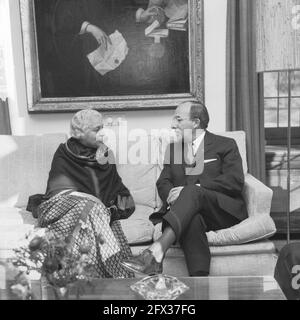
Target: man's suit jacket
(222,173)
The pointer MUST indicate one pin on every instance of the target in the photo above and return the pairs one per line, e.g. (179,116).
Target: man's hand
(174,194)
(101,37)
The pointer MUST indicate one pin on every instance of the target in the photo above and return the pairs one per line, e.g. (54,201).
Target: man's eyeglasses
(181,119)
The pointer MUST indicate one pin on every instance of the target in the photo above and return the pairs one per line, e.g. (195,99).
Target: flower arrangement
(52,257)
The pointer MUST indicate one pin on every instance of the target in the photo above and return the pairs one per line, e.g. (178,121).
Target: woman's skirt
(87,223)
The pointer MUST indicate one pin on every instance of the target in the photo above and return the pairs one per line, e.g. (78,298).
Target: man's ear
(196,123)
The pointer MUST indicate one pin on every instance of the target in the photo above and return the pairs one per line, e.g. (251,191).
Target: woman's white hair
(84,120)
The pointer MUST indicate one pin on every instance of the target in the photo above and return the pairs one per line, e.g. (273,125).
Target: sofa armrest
(258,196)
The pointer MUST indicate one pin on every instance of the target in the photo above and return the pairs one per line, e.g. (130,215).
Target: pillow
(25,162)
(140,180)
(251,229)
(139,174)
(138,229)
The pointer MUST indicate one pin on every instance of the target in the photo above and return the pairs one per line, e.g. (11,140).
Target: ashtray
(159,287)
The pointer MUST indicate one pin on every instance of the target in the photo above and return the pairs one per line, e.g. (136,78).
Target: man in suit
(198,196)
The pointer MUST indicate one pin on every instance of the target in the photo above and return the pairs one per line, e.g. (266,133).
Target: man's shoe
(143,263)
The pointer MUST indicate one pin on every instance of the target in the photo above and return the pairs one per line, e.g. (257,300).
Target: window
(276,123)
(276,99)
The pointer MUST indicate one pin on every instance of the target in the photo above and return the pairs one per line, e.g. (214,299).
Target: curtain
(244,87)
(5,127)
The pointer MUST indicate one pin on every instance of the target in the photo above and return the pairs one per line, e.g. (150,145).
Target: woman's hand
(101,37)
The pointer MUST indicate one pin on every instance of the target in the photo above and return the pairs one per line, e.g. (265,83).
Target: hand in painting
(101,37)
(150,15)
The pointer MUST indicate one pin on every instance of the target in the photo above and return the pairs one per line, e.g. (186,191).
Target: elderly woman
(86,198)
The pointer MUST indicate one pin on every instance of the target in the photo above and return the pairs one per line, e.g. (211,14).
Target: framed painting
(112,54)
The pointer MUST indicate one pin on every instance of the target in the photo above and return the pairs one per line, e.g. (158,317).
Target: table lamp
(278,49)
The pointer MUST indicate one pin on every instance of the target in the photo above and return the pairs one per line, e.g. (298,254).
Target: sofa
(241,250)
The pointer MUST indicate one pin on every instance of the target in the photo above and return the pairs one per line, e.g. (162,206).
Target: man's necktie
(193,149)
(195,160)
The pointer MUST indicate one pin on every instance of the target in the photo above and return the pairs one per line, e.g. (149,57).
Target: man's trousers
(195,212)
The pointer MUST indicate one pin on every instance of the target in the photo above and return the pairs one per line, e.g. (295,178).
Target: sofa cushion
(10,236)
(15,224)
(138,168)
(15,216)
(25,163)
(140,179)
(261,247)
(138,228)
(251,229)
(258,196)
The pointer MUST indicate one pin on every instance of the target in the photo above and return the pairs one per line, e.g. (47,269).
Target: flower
(51,264)
(22,287)
(20,290)
(23,279)
(52,257)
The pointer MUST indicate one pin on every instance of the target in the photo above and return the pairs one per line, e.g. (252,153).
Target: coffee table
(210,288)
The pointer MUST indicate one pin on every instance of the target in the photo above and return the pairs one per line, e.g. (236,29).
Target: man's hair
(199,111)
(82,121)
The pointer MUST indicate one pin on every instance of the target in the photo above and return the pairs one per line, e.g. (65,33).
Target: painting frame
(37,104)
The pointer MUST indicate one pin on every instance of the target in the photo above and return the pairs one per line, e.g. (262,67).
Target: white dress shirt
(195,145)
(197,142)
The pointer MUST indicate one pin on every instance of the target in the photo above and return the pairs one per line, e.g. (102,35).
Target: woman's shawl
(74,166)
